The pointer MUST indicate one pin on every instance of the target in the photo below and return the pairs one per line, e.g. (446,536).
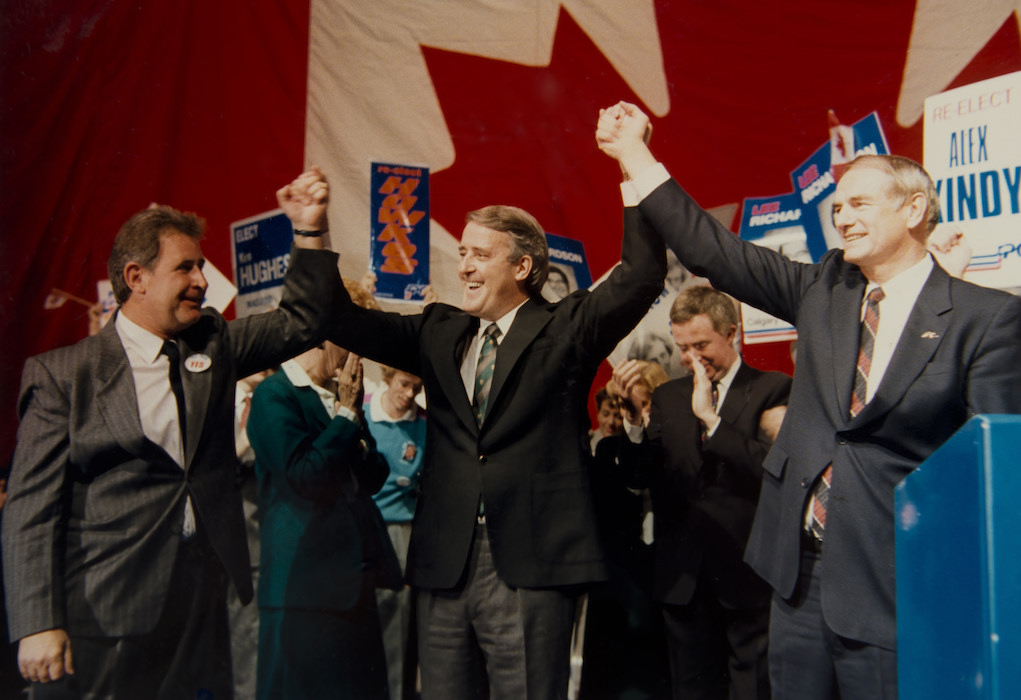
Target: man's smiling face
(874,220)
(492,284)
(168,298)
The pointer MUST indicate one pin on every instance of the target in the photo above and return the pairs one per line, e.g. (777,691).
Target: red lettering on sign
(396,212)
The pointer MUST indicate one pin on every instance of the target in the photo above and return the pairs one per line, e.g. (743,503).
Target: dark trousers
(808,661)
(187,655)
(717,652)
(487,640)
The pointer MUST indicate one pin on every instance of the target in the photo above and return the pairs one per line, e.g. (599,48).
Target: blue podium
(959,567)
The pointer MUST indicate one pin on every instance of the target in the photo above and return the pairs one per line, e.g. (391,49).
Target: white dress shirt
(157,405)
(901,294)
(474,349)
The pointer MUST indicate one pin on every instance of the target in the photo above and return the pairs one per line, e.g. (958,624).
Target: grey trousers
(486,636)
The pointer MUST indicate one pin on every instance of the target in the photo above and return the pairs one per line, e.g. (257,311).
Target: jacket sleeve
(314,459)
(616,306)
(35,515)
(741,452)
(994,373)
(756,275)
(300,320)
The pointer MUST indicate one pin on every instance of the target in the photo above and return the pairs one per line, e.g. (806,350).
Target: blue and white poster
(787,225)
(399,249)
(261,250)
(973,153)
(568,267)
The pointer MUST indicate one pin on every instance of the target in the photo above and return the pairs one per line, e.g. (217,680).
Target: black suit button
(805,483)
(483,459)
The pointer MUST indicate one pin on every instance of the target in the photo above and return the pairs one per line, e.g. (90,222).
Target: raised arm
(623,134)
(304,201)
(753,274)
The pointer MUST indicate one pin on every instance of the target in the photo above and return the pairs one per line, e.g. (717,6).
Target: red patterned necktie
(866,344)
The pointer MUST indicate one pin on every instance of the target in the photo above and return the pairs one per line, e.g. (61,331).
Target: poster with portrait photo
(568,267)
(651,339)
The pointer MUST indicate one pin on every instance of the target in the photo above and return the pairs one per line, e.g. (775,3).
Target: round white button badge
(198,363)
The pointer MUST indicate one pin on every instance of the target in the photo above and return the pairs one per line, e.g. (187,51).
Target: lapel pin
(197,363)
(930,334)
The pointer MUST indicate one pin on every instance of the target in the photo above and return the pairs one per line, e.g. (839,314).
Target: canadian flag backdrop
(109,105)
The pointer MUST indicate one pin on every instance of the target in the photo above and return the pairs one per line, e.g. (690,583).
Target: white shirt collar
(503,323)
(299,378)
(906,285)
(379,414)
(724,382)
(145,343)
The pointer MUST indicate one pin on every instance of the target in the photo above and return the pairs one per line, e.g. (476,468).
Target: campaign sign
(261,250)
(973,153)
(815,180)
(399,248)
(786,225)
(568,267)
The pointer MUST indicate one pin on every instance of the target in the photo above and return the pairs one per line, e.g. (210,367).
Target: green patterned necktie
(484,371)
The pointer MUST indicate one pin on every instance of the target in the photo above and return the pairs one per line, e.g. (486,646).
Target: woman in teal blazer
(324,548)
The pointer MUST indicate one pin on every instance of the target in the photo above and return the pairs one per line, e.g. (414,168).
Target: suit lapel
(923,332)
(845,327)
(737,395)
(529,321)
(115,394)
(454,334)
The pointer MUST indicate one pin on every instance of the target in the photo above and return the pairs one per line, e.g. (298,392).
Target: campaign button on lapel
(198,363)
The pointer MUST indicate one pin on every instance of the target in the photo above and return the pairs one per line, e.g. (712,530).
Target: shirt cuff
(649,179)
(629,194)
(346,412)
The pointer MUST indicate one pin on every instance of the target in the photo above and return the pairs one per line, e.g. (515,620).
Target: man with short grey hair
(894,356)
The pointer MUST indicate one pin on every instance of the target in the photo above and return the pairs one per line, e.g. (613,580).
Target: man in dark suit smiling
(894,355)
(701,455)
(505,529)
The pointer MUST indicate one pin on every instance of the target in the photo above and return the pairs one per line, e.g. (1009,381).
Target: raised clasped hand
(304,200)
(621,126)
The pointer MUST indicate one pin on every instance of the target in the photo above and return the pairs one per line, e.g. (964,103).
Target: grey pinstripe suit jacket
(93,521)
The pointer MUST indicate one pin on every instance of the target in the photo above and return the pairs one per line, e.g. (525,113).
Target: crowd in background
(174,467)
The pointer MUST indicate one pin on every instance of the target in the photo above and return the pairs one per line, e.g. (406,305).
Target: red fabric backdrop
(109,105)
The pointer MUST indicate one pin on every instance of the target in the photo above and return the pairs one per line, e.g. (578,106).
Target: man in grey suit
(124,521)
(883,379)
